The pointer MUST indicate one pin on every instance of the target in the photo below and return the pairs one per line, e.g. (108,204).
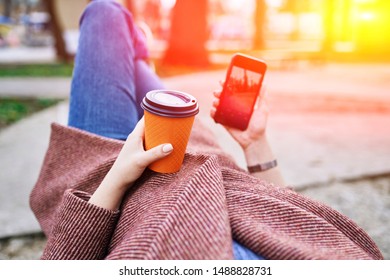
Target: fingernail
(167,148)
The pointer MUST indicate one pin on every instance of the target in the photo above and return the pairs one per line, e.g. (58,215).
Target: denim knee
(109,15)
(104,12)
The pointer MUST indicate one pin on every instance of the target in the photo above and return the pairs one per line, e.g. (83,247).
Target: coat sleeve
(82,230)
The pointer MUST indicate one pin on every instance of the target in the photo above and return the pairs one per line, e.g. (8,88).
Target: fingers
(215,104)
(156,153)
(217,93)
(212,112)
(139,129)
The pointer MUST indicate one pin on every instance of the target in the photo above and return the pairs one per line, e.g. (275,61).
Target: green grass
(36,70)
(65,70)
(13,110)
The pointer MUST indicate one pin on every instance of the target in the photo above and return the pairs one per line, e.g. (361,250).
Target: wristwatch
(260,167)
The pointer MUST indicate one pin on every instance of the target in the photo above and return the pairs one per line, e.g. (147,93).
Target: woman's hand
(128,167)
(133,159)
(253,140)
(257,124)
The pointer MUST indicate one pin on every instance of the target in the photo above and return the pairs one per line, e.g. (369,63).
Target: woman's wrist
(115,180)
(110,192)
(258,151)
(261,160)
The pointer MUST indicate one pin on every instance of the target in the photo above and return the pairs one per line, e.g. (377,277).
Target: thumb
(157,153)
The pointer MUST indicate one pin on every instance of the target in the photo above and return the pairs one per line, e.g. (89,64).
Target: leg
(110,76)
(242,253)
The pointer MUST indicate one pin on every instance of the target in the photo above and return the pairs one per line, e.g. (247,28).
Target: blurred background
(337,29)
(328,86)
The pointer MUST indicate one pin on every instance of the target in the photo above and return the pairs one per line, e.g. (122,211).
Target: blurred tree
(130,6)
(7,8)
(346,20)
(152,15)
(328,19)
(296,7)
(188,34)
(57,30)
(260,19)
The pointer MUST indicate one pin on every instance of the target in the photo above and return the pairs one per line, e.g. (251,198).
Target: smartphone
(242,86)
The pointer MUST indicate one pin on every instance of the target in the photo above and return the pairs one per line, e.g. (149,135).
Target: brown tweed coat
(193,214)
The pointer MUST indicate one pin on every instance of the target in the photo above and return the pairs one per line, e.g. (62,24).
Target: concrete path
(22,148)
(329,127)
(37,87)
(23,54)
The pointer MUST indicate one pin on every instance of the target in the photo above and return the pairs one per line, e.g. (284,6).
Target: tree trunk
(7,8)
(296,11)
(130,6)
(188,34)
(327,46)
(57,31)
(260,20)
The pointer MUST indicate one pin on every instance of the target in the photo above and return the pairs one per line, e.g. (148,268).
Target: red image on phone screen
(240,91)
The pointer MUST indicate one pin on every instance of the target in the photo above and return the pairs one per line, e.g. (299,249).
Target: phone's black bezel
(251,64)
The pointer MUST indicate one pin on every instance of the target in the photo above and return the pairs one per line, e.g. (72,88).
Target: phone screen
(240,92)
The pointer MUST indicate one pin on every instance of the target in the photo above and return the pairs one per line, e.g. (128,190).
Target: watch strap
(260,167)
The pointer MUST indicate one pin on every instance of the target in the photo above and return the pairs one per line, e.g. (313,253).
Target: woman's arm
(260,151)
(253,140)
(128,167)
(86,223)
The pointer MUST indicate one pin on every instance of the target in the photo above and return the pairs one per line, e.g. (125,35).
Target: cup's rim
(158,107)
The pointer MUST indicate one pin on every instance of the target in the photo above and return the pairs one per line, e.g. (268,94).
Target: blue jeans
(111,77)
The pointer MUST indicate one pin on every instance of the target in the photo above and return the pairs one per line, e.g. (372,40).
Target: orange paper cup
(169,116)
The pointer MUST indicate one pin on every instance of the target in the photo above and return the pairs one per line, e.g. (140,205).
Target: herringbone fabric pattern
(191,214)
